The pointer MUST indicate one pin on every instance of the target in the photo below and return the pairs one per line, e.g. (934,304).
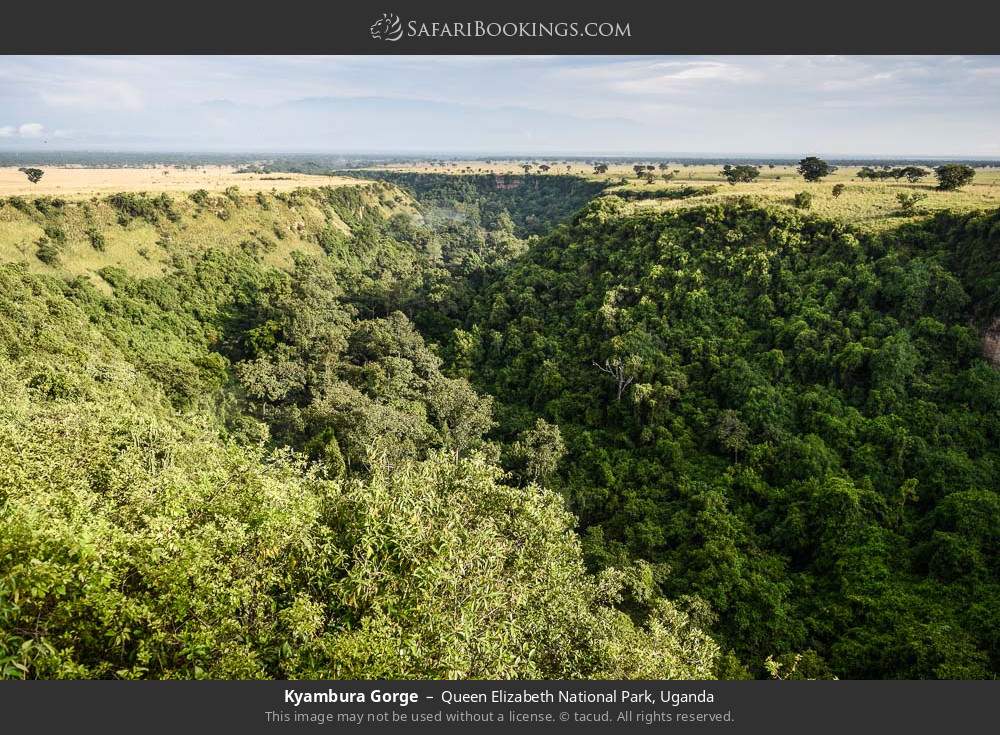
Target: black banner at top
(508,27)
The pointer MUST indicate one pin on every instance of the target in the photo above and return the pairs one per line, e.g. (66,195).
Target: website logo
(387,28)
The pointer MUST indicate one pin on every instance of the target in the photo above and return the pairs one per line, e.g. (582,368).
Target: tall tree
(813,169)
(953,176)
(34,174)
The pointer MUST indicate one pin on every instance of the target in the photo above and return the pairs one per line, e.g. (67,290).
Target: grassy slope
(276,224)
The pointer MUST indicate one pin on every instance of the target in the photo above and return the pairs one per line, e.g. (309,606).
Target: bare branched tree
(615,367)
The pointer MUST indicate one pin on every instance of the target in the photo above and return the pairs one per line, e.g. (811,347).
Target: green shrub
(908,202)
(48,252)
(97,240)
(131,206)
(199,197)
(56,234)
(20,204)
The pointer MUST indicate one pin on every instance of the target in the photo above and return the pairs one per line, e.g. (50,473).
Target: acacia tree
(813,169)
(953,176)
(34,174)
(740,174)
(913,174)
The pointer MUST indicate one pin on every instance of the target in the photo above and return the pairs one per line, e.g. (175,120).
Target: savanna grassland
(868,205)
(77,182)
(431,421)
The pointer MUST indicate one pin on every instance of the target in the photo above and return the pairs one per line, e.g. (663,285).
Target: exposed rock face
(991,343)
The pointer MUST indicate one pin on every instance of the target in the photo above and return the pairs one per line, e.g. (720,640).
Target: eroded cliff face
(991,343)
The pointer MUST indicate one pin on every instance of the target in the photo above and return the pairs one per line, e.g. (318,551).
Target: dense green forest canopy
(791,422)
(451,437)
(236,470)
(534,203)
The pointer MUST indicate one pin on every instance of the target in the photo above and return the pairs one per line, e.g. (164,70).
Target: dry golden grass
(83,183)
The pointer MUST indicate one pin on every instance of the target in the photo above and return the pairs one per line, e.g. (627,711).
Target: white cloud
(98,94)
(836,85)
(685,78)
(31,130)
(27,130)
(745,104)
(645,77)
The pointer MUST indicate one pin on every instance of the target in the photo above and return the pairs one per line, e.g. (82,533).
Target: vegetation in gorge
(418,428)
(787,420)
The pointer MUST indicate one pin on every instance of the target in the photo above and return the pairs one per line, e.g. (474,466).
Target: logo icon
(387,28)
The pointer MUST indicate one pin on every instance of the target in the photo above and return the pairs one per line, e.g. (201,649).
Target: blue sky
(834,105)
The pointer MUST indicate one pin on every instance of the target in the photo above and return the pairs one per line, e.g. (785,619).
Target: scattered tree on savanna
(742,173)
(838,189)
(913,174)
(600,168)
(812,168)
(34,174)
(953,176)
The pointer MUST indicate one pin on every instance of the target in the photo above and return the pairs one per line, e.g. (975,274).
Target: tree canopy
(812,168)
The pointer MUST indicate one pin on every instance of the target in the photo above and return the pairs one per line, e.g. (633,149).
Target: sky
(573,105)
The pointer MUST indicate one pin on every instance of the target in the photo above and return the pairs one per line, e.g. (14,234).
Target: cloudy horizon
(501,105)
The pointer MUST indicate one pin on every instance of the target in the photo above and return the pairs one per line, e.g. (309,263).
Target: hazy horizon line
(482,155)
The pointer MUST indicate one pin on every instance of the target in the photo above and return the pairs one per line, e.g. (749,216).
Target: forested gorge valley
(440,426)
